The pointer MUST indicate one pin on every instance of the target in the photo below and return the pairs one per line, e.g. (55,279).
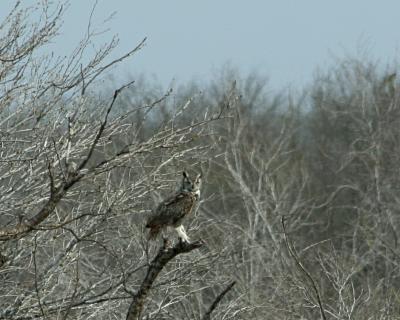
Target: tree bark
(165,254)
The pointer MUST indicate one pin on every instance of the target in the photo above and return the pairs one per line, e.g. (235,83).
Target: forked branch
(58,192)
(301,267)
(165,254)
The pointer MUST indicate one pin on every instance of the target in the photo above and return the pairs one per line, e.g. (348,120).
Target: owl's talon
(186,240)
(182,234)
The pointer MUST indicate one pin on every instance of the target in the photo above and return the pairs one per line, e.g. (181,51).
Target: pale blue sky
(285,40)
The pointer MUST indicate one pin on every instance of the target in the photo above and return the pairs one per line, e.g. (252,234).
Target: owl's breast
(183,208)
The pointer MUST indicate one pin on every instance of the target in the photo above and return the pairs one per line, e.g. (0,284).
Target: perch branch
(165,254)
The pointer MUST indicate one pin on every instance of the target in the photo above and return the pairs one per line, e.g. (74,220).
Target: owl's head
(189,185)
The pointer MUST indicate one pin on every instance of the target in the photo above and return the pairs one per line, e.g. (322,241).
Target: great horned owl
(172,211)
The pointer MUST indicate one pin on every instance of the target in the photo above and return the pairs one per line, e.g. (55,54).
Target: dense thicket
(299,207)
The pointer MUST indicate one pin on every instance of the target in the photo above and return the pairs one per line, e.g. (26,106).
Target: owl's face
(189,185)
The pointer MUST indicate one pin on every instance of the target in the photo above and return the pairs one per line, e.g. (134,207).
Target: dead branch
(102,126)
(57,193)
(207,315)
(165,254)
(301,267)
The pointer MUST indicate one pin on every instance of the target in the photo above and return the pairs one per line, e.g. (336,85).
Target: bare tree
(81,169)
(77,178)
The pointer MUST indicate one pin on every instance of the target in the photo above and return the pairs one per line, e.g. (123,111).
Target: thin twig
(137,48)
(102,126)
(36,279)
(293,254)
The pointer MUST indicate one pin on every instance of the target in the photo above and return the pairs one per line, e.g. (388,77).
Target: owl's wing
(165,212)
(172,200)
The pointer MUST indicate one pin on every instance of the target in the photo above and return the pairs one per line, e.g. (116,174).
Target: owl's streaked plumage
(172,211)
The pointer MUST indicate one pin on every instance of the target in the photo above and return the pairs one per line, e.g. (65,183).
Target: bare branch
(137,48)
(102,126)
(36,278)
(165,254)
(301,267)
(207,315)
